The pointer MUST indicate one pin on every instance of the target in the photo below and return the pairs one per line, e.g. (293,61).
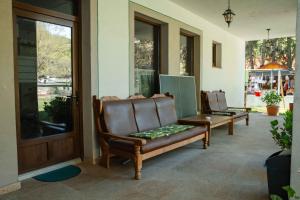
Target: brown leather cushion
(166,110)
(119,117)
(222,101)
(160,142)
(145,114)
(239,114)
(213,101)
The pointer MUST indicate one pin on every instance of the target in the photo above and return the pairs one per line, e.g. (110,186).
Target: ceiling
(252,18)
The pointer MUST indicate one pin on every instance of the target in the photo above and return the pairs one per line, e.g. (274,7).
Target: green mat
(59,174)
(162,131)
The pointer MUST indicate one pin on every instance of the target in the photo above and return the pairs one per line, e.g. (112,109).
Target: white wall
(8,141)
(296,126)
(114,50)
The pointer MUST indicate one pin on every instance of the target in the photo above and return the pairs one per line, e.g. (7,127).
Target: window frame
(217,55)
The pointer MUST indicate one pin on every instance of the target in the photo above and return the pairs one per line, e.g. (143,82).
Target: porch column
(8,141)
(271,79)
(279,83)
(295,174)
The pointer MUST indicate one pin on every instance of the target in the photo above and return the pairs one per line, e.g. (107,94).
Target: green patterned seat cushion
(162,131)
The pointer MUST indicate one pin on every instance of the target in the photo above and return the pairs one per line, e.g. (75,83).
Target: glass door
(46,76)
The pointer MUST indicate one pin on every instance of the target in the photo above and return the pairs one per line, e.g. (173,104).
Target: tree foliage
(54,52)
(279,50)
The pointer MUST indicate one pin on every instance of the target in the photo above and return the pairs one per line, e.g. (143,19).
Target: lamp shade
(228,16)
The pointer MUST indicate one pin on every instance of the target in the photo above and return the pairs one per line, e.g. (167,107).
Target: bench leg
(247,121)
(105,157)
(138,163)
(230,127)
(206,140)
(208,135)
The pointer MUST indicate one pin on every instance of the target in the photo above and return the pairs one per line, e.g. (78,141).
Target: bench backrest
(123,117)
(213,101)
(119,117)
(166,110)
(222,101)
(145,114)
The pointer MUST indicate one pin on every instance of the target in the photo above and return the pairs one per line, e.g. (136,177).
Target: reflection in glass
(186,55)
(45,78)
(68,7)
(146,58)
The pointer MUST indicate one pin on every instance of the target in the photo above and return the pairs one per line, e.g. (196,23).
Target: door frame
(49,16)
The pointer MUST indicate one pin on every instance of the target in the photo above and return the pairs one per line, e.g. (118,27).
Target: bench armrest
(137,141)
(228,113)
(241,108)
(198,123)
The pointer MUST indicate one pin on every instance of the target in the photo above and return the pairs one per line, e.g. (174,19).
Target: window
(147,58)
(217,55)
(186,55)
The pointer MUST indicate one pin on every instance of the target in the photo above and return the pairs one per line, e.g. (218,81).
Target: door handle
(75,98)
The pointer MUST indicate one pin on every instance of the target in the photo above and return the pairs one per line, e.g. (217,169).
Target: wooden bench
(117,119)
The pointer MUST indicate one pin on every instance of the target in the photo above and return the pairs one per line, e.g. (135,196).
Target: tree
(54,51)
(281,51)
(250,53)
(291,51)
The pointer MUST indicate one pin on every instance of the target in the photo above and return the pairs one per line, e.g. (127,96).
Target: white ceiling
(252,18)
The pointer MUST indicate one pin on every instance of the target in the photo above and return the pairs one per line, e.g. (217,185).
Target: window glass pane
(217,55)
(214,55)
(186,55)
(45,78)
(69,7)
(146,58)
(183,55)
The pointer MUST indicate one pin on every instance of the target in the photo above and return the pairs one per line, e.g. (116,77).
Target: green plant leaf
(283,135)
(290,191)
(274,122)
(271,98)
(275,197)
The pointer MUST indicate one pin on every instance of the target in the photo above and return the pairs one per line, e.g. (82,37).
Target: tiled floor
(231,169)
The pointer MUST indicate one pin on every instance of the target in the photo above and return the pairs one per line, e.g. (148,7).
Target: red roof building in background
(273,66)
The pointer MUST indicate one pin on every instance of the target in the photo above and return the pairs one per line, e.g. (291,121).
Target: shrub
(283,135)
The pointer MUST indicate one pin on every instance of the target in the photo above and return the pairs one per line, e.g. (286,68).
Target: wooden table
(211,121)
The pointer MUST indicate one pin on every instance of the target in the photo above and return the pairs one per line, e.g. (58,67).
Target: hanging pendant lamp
(228,15)
(269,44)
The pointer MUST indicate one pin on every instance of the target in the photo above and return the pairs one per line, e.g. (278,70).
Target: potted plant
(279,164)
(290,192)
(272,99)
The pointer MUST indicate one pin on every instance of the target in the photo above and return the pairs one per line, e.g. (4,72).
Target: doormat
(61,174)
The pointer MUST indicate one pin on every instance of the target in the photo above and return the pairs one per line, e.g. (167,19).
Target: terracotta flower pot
(273,110)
